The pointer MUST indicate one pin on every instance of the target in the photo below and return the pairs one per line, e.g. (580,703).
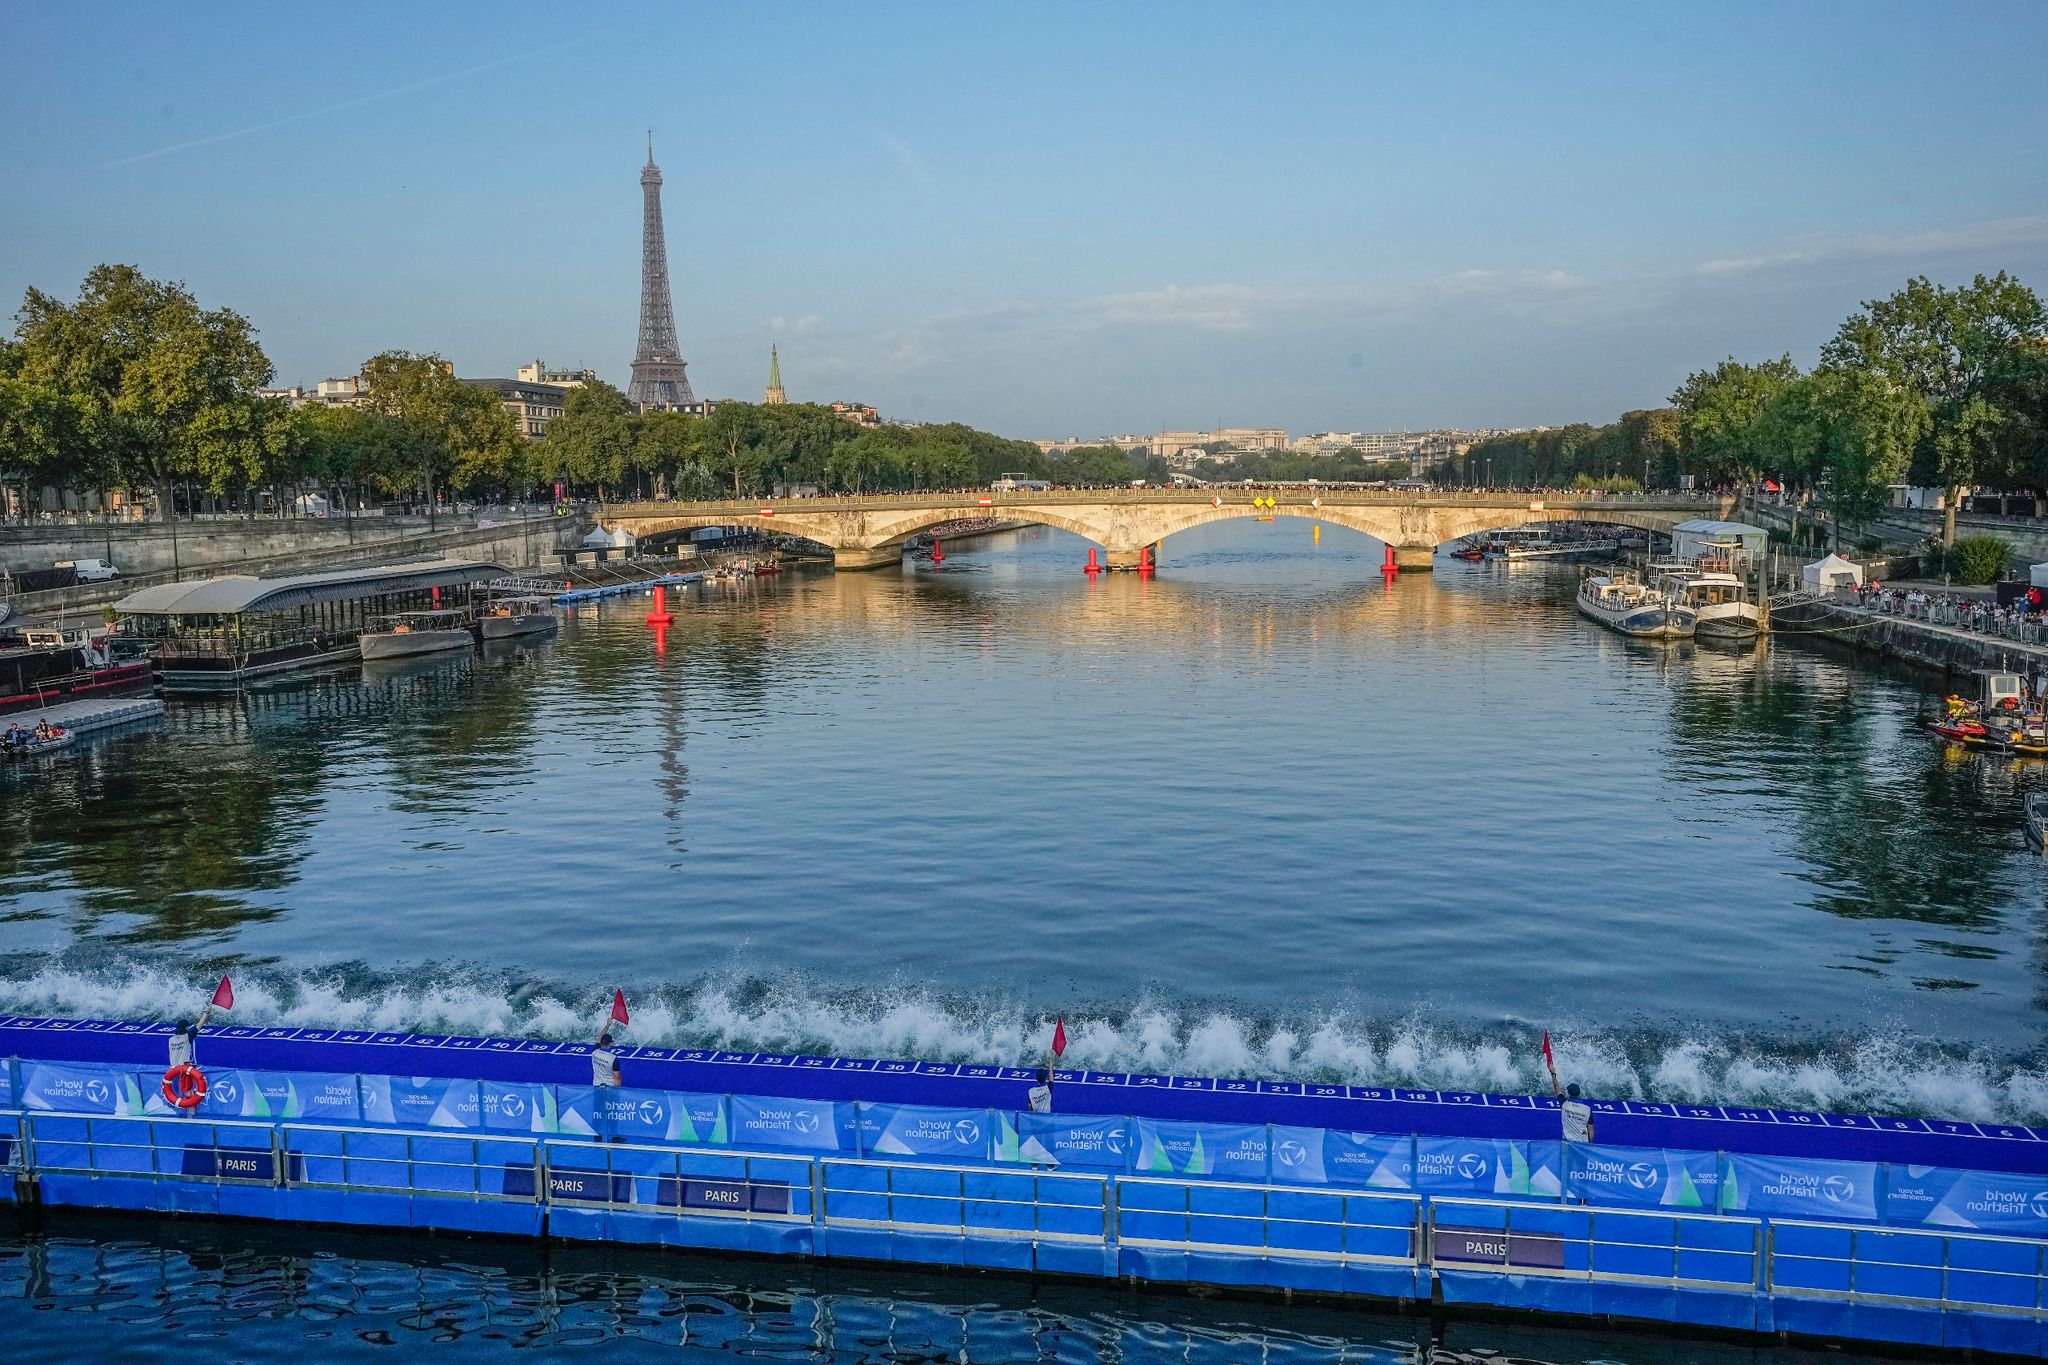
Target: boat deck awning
(239,594)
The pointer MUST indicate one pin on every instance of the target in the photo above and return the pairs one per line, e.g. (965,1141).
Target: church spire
(775,393)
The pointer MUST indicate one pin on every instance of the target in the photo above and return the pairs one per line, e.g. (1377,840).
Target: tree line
(135,385)
(1936,386)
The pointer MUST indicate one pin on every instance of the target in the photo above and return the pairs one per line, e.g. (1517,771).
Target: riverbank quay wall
(1909,1231)
(1950,649)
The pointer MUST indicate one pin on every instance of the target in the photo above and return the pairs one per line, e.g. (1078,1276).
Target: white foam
(1886,1072)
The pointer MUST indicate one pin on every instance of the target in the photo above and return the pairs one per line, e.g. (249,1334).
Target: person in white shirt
(604,1062)
(1576,1115)
(1039,1096)
(182,1038)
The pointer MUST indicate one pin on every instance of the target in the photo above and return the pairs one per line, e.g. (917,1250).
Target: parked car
(89,570)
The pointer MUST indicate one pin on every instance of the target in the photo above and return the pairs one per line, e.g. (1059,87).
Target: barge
(225,632)
(1918,1232)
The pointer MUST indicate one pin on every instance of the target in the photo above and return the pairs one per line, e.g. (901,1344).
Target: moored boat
(1720,604)
(405,634)
(2036,814)
(40,666)
(1621,603)
(505,617)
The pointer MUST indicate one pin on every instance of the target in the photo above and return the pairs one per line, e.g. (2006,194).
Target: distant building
(532,405)
(296,396)
(774,393)
(860,414)
(349,392)
(539,373)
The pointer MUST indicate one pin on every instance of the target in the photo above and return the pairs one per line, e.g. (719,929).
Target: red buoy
(938,553)
(659,616)
(1091,568)
(1387,566)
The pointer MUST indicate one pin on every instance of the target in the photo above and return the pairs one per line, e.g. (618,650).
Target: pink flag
(224,995)
(619,1007)
(1059,1037)
(1548,1060)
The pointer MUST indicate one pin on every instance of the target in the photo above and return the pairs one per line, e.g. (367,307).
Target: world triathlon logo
(651,1112)
(966,1132)
(96,1093)
(1838,1189)
(1290,1152)
(1643,1175)
(2039,1203)
(805,1122)
(513,1105)
(226,1093)
(1113,1141)
(1472,1166)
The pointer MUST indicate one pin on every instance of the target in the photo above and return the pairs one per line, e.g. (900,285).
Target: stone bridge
(868,531)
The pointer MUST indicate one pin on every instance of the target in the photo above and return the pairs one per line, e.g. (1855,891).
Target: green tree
(1718,410)
(162,389)
(732,437)
(1943,345)
(872,459)
(442,431)
(596,440)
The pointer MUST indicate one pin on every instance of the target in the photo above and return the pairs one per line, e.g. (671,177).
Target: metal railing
(635,1177)
(1544,1240)
(1289,1219)
(918,1205)
(1964,1287)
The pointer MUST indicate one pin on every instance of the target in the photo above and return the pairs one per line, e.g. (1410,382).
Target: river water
(1261,815)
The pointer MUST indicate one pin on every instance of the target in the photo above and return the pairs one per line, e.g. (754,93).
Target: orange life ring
(184,1086)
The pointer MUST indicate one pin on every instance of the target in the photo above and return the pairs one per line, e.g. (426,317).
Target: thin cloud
(905,157)
(1990,235)
(358,102)
(794,327)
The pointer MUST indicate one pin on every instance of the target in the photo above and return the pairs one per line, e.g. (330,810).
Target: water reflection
(1261,792)
(119,1289)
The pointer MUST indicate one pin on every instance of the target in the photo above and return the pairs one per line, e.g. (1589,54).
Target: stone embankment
(1956,644)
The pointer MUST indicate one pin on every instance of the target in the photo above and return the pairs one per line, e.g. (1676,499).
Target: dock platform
(89,717)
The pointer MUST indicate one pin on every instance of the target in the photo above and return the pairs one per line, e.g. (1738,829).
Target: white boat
(404,634)
(2037,819)
(1720,602)
(505,617)
(1619,602)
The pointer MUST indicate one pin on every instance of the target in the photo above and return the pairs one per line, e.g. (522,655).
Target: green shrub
(1977,559)
(1607,483)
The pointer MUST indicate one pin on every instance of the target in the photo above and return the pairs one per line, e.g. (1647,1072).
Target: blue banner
(81,1089)
(1083,1142)
(1642,1177)
(421,1102)
(1325,1156)
(1229,1151)
(661,1116)
(1488,1166)
(922,1131)
(1985,1201)
(317,1097)
(1800,1187)
(791,1125)
(572,1109)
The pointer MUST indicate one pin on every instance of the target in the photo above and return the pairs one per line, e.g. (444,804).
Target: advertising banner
(1984,1201)
(573,1110)
(316,1096)
(1482,1166)
(1642,1177)
(82,1089)
(791,1125)
(1799,1187)
(1083,1142)
(516,1107)
(661,1116)
(1228,1151)
(421,1102)
(1326,1156)
(921,1131)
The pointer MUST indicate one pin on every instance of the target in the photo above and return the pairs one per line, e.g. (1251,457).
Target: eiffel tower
(658,377)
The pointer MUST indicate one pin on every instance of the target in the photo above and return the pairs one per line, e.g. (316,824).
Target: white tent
(601,539)
(312,505)
(2037,577)
(1832,572)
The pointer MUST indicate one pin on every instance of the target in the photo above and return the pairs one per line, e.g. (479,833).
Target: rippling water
(1260,815)
(131,1290)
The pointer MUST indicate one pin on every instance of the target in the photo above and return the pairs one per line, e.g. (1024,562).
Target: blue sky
(1043,219)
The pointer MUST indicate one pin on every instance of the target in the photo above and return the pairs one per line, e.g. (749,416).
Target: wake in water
(1882,1074)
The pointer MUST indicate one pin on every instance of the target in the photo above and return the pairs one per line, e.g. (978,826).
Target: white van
(89,570)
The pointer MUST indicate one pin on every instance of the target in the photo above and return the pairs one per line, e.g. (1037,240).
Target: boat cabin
(221,632)
(1998,690)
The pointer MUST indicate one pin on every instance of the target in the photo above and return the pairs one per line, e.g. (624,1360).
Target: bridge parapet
(861,529)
